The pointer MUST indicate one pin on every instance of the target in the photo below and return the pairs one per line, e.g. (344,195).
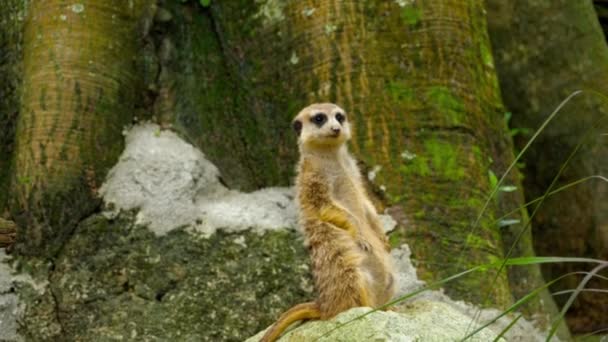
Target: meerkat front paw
(364,245)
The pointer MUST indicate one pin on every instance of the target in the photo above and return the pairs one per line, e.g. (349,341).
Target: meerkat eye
(297,126)
(340,117)
(319,119)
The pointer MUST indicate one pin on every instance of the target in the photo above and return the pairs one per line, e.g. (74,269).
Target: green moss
(486,54)
(396,238)
(444,158)
(474,202)
(411,15)
(444,98)
(476,242)
(439,158)
(418,166)
(447,104)
(477,152)
(401,91)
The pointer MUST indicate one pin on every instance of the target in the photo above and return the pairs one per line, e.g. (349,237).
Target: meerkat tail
(299,312)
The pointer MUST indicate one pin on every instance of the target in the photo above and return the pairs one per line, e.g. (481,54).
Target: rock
(9,308)
(116,280)
(418,321)
(173,185)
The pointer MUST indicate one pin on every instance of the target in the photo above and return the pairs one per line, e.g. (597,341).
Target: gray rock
(116,280)
(9,302)
(419,321)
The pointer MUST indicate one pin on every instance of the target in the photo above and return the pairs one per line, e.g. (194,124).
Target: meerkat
(350,253)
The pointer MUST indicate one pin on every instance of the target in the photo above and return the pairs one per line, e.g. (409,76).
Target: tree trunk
(545,50)
(419,83)
(78,93)
(12,13)
(194,92)
(8,232)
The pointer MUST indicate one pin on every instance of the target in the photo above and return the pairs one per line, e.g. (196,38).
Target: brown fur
(349,251)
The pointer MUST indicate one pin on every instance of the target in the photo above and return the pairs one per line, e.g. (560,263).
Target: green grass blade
(542,199)
(583,290)
(519,155)
(507,328)
(573,296)
(560,189)
(517,304)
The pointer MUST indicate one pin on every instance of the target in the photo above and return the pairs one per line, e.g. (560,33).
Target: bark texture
(78,93)
(12,13)
(8,232)
(545,50)
(419,83)
(193,91)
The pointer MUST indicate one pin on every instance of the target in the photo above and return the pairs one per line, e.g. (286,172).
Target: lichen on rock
(420,321)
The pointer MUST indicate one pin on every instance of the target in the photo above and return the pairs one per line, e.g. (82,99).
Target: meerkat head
(322,125)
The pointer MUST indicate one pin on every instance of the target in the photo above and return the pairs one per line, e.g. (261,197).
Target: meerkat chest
(347,192)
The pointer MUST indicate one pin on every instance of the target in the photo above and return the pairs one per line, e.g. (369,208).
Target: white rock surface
(172,185)
(9,303)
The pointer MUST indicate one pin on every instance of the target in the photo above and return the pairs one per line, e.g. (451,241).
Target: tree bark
(8,232)
(419,83)
(12,13)
(194,92)
(545,50)
(78,90)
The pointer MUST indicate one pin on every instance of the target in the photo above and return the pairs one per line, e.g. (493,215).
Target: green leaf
(205,3)
(510,222)
(507,328)
(507,188)
(493,179)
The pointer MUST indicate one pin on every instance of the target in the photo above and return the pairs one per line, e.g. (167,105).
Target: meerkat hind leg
(336,266)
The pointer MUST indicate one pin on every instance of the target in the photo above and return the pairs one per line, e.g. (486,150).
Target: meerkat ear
(297,126)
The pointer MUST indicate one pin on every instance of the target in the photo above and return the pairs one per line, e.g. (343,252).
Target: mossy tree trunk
(12,13)
(420,84)
(544,51)
(77,94)
(194,92)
